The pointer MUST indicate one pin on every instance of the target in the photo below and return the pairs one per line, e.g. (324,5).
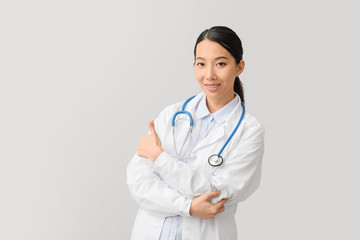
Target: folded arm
(153,194)
(237,178)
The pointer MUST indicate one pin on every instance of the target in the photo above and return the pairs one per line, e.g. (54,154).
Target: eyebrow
(217,58)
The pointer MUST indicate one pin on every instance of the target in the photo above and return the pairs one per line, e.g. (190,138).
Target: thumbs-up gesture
(149,145)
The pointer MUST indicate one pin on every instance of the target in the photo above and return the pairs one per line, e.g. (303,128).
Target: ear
(240,67)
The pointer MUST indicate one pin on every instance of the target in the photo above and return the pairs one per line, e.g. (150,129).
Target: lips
(212,87)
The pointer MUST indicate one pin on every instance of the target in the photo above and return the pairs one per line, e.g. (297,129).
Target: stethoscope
(214,160)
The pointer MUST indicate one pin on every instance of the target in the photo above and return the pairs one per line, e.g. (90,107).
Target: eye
(221,64)
(200,64)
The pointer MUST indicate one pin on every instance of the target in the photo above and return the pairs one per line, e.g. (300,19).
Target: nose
(210,73)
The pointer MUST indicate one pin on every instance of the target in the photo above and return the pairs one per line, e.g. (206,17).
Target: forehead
(209,49)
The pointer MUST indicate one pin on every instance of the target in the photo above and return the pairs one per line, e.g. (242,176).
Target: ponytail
(238,88)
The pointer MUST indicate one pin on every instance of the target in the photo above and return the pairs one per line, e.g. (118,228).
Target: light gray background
(81,79)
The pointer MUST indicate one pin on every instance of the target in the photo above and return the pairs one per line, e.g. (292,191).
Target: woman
(182,193)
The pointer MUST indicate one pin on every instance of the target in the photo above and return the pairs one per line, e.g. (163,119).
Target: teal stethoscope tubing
(219,160)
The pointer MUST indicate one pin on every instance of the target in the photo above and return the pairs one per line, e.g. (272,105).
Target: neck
(215,104)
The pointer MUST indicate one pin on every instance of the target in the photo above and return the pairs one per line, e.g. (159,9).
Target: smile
(212,87)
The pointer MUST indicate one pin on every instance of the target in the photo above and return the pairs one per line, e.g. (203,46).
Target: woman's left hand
(149,145)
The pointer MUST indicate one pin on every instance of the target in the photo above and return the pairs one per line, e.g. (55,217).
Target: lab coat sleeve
(237,178)
(153,194)
(149,190)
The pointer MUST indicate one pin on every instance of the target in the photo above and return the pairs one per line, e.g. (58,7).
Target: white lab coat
(166,187)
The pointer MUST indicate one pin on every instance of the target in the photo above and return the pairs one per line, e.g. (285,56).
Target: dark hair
(232,43)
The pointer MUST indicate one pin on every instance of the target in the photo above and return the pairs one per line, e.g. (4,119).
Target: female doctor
(202,156)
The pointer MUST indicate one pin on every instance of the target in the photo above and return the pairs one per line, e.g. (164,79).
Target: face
(216,70)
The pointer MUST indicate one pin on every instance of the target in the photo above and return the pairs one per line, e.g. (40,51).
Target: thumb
(152,127)
(212,194)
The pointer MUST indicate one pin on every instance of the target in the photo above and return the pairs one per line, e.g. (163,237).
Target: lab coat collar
(229,123)
(222,132)
(235,115)
(219,116)
(194,102)
(191,106)
(230,120)
(202,110)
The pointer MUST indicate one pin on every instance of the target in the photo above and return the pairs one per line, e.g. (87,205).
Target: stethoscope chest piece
(215,160)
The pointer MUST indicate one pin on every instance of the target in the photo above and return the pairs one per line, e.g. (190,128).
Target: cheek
(198,75)
(229,77)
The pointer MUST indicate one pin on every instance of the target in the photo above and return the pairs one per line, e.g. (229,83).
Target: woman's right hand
(201,206)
